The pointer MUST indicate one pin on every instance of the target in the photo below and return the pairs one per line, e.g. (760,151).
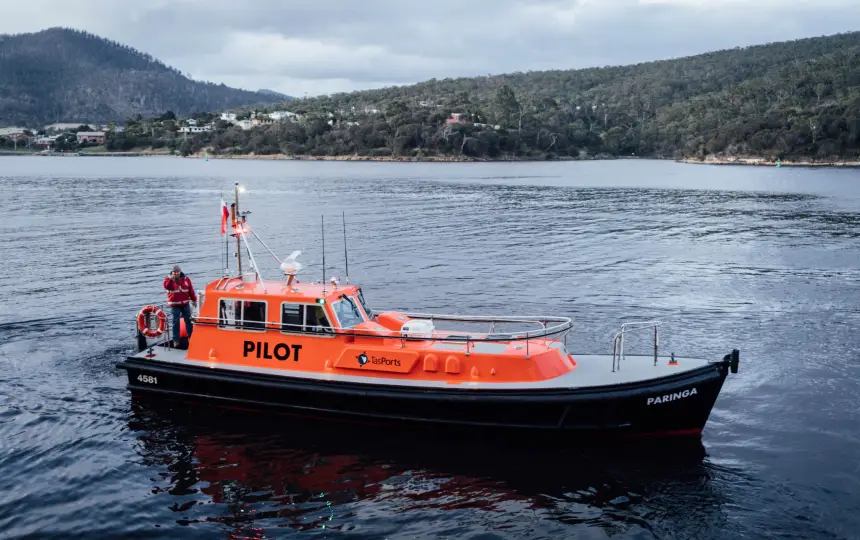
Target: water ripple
(760,259)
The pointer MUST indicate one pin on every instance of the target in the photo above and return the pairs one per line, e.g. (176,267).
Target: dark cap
(176,268)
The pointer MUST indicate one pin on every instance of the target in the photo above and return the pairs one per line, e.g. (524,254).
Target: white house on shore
(196,129)
(284,115)
(260,119)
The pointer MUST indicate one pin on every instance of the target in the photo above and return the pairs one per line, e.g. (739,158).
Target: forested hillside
(791,99)
(62,75)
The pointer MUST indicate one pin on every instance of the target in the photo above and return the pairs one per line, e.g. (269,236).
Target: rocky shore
(768,162)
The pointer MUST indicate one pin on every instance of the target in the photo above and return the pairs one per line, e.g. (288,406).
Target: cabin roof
(278,290)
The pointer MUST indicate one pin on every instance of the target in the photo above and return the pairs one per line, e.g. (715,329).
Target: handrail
(480,318)
(564,324)
(618,340)
(168,313)
(549,327)
(485,319)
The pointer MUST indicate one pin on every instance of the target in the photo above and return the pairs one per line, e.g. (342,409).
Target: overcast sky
(322,46)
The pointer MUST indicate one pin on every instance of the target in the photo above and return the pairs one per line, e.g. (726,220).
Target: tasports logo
(377,360)
(672,397)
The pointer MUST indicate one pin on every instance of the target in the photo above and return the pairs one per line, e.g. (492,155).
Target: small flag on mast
(224,214)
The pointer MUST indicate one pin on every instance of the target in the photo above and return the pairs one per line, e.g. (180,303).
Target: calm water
(762,259)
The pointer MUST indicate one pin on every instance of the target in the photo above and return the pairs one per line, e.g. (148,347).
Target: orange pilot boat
(318,348)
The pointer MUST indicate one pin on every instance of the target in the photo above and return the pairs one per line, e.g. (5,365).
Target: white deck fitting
(591,371)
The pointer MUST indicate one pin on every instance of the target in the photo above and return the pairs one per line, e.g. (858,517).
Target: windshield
(348,314)
(360,297)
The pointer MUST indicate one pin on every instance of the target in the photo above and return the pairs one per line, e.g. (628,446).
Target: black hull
(667,406)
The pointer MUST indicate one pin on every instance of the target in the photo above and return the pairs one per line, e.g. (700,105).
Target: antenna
(322,229)
(345,256)
(238,231)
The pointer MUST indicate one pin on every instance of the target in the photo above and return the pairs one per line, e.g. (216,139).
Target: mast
(345,256)
(322,231)
(226,267)
(238,231)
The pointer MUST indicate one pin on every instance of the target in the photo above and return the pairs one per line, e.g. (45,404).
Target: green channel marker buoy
(778,163)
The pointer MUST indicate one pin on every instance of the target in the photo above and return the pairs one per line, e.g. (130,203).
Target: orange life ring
(142,321)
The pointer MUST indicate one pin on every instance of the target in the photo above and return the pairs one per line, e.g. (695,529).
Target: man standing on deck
(180,293)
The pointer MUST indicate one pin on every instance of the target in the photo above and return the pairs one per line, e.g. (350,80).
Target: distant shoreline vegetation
(460,159)
(749,162)
(797,102)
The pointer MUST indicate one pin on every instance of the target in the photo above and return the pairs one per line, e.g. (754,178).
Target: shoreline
(396,159)
(748,161)
(762,162)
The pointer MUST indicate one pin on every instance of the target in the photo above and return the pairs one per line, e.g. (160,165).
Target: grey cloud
(335,45)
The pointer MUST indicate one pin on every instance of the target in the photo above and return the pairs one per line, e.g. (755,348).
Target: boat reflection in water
(268,472)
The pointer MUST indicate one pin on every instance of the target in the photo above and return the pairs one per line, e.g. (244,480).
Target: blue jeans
(185,313)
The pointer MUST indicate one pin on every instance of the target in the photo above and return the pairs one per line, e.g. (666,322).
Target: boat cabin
(298,308)
(313,328)
(325,328)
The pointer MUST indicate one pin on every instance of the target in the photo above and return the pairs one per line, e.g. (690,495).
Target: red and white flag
(225,213)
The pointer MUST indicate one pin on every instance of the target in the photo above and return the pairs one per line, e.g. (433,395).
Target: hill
(797,99)
(277,95)
(64,75)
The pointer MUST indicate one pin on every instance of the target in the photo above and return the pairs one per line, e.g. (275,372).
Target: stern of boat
(150,332)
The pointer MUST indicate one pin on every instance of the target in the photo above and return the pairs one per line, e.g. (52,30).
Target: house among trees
(46,141)
(284,115)
(194,128)
(261,120)
(458,118)
(97,137)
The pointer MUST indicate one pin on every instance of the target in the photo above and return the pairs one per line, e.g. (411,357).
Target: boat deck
(591,371)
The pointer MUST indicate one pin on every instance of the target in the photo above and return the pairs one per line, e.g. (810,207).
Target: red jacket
(179,292)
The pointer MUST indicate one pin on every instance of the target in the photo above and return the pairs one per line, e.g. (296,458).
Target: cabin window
(304,318)
(244,314)
(348,314)
(254,315)
(292,317)
(316,320)
(229,313)
(360,297)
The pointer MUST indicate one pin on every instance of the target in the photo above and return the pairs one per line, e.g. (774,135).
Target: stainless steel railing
(553,328)
(618,340)
(166,337)
(549,326)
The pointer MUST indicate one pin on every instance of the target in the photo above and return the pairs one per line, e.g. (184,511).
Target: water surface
(760,259)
